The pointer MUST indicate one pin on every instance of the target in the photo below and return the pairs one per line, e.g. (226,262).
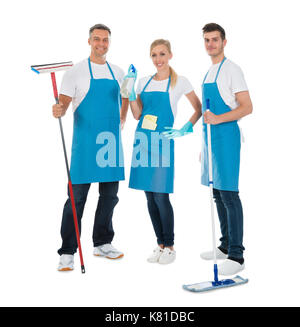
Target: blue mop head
(209,286)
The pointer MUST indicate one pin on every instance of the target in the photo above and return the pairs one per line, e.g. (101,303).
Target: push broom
(216,284)
(52,68)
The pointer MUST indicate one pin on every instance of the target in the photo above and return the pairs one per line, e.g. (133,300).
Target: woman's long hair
(173,74)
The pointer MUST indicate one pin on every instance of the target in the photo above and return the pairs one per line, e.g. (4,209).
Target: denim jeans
(230,214)
(103,230)
(162,217)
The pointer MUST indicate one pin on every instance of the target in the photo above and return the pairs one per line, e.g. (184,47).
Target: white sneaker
(167,256)
(230,267)
(210,255)
(66,262)
(154,257)
(107,251)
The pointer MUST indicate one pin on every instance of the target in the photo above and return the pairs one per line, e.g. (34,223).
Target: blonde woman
(152,168)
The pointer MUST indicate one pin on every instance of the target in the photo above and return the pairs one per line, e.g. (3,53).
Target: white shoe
(154,257)
(66,262)
(167,256)
(230,267)
(210,255)
(107,251)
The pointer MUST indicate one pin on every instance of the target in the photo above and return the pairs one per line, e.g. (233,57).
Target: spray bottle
(128,82)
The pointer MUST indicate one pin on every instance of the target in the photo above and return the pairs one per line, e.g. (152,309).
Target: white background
(263,38)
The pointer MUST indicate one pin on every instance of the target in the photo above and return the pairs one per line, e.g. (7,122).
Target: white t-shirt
(183,86)
(76,81)
(230,81)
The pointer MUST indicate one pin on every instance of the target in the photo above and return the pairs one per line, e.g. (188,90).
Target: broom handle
(69,176)
(210,175)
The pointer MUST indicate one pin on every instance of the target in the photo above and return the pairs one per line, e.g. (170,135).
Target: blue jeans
(162,217)
(230,214)
(103,230)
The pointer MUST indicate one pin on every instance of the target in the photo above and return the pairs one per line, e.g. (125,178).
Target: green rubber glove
(172,133)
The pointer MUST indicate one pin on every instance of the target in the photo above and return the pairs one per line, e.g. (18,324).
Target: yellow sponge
(149,122)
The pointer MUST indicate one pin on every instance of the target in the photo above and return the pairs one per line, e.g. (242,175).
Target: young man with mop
(225,90)
(93,86)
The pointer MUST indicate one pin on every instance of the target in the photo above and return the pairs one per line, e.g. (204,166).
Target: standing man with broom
(225,89)
(93,86)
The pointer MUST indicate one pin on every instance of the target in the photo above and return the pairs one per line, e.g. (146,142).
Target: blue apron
(97,128)
(225,142)
(156,174)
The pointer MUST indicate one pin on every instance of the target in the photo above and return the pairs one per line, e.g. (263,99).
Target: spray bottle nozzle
(132,68)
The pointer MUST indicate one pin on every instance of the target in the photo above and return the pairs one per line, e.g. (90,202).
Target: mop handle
(210,176)
(69,176)
(60,124)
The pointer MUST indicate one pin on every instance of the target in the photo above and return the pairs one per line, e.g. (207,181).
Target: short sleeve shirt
(76,81)
(230,81)
(183,86)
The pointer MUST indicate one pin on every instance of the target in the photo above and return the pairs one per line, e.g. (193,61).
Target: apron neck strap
(150,79)
(169,82)
(90,68)
(205,78)
(91,73)
(222,62)
(217,72)
(112,74)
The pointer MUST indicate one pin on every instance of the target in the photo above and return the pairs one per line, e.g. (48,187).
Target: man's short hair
(99,27)
(212,27)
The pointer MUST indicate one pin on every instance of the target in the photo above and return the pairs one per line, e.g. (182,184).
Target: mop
(216,284)
(52,68)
